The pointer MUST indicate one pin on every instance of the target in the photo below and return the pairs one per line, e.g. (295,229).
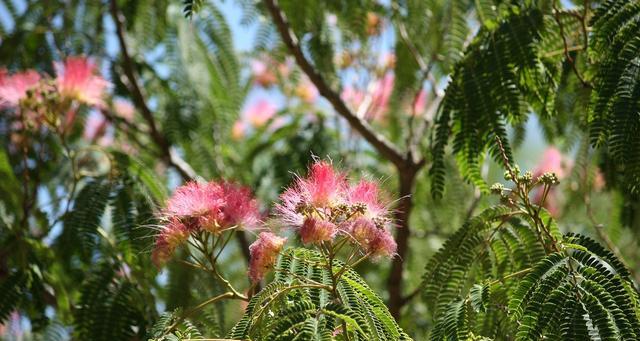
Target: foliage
(294,306)
(570,286)
(168,96)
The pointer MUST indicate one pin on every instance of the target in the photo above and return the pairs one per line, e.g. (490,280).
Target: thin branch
(168,153)
(556,16)
(379,142)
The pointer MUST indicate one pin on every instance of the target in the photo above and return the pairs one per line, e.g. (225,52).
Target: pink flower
(213,206)
(197,205)
(260,112)
(352,97)
(552,161)
(375,240)
(95,126)
(239,208)
(367,194)
(262,74)
(238,130)
(124,109)
(322,188)
(264,252)
(77,80)
(315,230)
(307,91)
(381,95)
(13,88)
(383,245)
(170,237)
(420,103)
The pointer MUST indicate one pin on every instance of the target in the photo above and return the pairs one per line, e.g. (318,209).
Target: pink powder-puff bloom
(307,91)
(381,96)
(124,109)
(315,230)
(13,88)
(352,97)
(213,206)
(552,161)
(95,126)
(239,208)
(371,238)
(239,130)
(419,103)
(170,237)
(197,205)
(77,79)
(383,245)
(367,194)
(262,73)
(260,112)
(322,188)
(264,252)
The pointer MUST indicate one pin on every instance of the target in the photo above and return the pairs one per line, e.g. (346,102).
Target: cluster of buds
(324,207)
(197,208)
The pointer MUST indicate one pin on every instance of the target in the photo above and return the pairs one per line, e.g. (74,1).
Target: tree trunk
(407,176)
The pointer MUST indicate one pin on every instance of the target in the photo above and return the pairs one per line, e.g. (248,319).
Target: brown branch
(168,154)
(379,142)
(567,55)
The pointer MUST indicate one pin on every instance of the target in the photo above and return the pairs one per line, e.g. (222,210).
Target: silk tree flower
(239,208)
(13,88)
(260,112)
(239,130)
(264,252)
(170,237)
(324,205)
(77,79)
(95,126)
(420,103)
(262,73)
(124,109)
(213,206)
(323,188)
(352,96)
(381,95)
(316,230)
(307,91)
(552,161)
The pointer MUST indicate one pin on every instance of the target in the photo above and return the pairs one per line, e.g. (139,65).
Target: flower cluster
(77,79)
(264,252)
(211,207)
(40,99)
(324,206)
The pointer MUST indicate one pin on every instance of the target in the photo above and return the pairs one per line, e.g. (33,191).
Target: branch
(168,153)
(379,142)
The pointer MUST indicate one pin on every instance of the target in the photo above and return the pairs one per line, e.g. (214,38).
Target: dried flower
(264,252)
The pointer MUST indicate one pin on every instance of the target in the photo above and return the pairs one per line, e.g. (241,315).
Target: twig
(379,142)
(167,152)
(556,16)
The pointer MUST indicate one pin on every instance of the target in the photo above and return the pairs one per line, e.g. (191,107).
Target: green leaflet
(310,313)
